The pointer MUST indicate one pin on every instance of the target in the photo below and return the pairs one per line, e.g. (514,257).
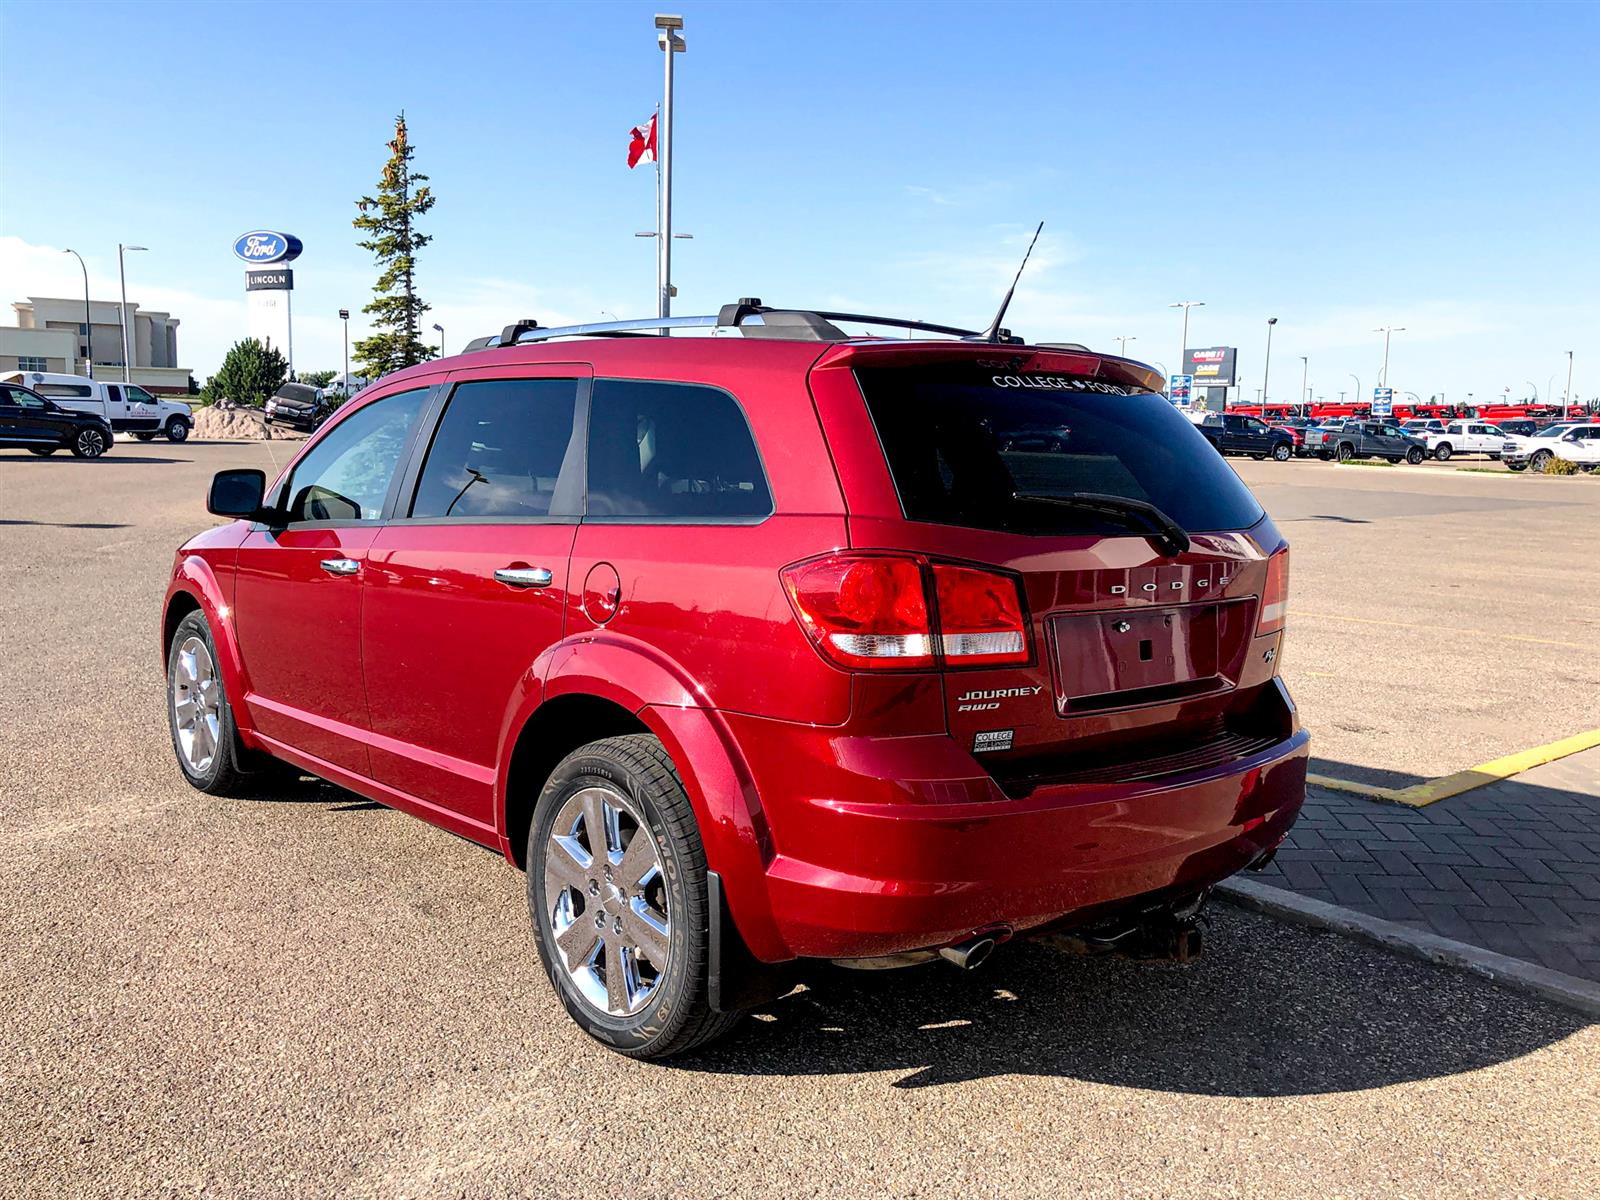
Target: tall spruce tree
(389,219)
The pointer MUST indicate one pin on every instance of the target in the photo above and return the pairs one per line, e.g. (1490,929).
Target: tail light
(864,610)
(980,616)
(1275,596)
(873,611)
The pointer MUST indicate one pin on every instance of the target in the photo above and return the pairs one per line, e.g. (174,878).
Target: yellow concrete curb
(1420,794)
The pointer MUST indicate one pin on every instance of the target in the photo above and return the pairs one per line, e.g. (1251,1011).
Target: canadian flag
(642,143)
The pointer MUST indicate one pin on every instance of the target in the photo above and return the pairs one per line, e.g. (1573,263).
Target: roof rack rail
(748,315)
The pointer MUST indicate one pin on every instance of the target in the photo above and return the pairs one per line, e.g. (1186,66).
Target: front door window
(346,475)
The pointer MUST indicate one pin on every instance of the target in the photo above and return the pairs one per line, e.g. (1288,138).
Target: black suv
(1235,433)
(29,421)
(300,406)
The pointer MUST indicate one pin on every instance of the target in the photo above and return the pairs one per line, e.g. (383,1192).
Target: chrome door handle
(340,566)
(525,577)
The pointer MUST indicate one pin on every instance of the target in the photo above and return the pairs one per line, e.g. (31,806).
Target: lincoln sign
(1213,367)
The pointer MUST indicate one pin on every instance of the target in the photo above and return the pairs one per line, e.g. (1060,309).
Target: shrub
(249,374)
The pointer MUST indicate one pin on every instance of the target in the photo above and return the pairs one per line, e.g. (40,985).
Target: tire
(1257,457)
(1494,457)
(223,772)
(145,437)
(1325,455)
(43,451)
(1415,455)
(177,430)
(1538,460)
(89,442)
(633,777)
(1522,466)
(1346,452)
(1282,452)
(1443,451)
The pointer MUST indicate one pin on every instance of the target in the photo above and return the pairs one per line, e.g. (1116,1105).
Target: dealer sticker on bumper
(992,739)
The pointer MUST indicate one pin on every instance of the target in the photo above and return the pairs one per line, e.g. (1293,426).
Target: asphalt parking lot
(308,994)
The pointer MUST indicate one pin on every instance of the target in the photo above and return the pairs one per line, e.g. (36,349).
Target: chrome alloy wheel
(91,443)
(607,901)
(196,704)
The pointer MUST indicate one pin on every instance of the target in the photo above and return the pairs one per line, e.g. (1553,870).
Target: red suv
(764,648)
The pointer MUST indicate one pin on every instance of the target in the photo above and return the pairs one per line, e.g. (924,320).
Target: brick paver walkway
(1513,867)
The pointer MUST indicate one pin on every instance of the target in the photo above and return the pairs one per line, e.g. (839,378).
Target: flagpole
(671,45)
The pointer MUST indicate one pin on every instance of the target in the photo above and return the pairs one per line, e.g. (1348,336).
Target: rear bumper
(909,849)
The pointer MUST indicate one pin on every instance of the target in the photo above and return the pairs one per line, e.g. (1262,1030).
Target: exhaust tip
(968,954)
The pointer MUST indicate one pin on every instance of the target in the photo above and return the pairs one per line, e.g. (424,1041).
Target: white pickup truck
(1575,442)
(127,407)
(1466,437)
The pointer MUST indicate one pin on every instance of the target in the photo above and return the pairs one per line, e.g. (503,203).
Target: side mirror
(237,493)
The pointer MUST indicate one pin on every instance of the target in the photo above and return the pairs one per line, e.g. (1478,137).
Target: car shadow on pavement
(1273,1010)
(71,524)
(108,456)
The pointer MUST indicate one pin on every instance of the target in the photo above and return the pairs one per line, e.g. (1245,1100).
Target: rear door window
(968,447)
(673,452)
(505,448)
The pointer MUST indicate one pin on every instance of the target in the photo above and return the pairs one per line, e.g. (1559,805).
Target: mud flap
(735,978)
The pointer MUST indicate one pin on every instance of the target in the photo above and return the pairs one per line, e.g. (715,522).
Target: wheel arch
(603,687)
(195,588)
(551,732)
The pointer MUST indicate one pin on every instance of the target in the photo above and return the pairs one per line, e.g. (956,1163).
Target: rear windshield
(964,443)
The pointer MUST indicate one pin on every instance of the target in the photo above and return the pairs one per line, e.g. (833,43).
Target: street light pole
(1305,369)
(1186,305)
(672,44)
(1357,392)
(439,329)
(1383,377)
(88,325)
(1566,397)
(1266,368)
(344,315)
(1122,345)
(122,274)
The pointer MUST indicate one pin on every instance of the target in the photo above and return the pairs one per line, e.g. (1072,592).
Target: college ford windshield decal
(1064,383)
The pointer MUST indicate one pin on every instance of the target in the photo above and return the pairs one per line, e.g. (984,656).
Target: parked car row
(125,407)
(1522,444)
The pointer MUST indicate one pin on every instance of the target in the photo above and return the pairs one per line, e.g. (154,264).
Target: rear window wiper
(1165,534)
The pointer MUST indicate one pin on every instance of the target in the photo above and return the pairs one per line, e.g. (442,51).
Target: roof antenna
(994,330)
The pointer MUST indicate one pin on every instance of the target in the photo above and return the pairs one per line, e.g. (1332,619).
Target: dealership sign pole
(270,286)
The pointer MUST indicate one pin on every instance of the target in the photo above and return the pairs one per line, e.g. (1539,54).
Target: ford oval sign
(264,246)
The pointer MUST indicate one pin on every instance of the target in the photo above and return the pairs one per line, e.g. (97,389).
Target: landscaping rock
(216,424)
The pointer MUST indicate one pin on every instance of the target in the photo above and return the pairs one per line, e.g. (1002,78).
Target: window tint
(502,448)
(672,450)
(963,449)
(20,399)
(113,393)
(345,476)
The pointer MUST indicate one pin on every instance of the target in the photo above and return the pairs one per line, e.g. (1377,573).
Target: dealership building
(50,335)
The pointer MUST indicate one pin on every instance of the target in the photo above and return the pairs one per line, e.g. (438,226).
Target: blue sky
(1339,166)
